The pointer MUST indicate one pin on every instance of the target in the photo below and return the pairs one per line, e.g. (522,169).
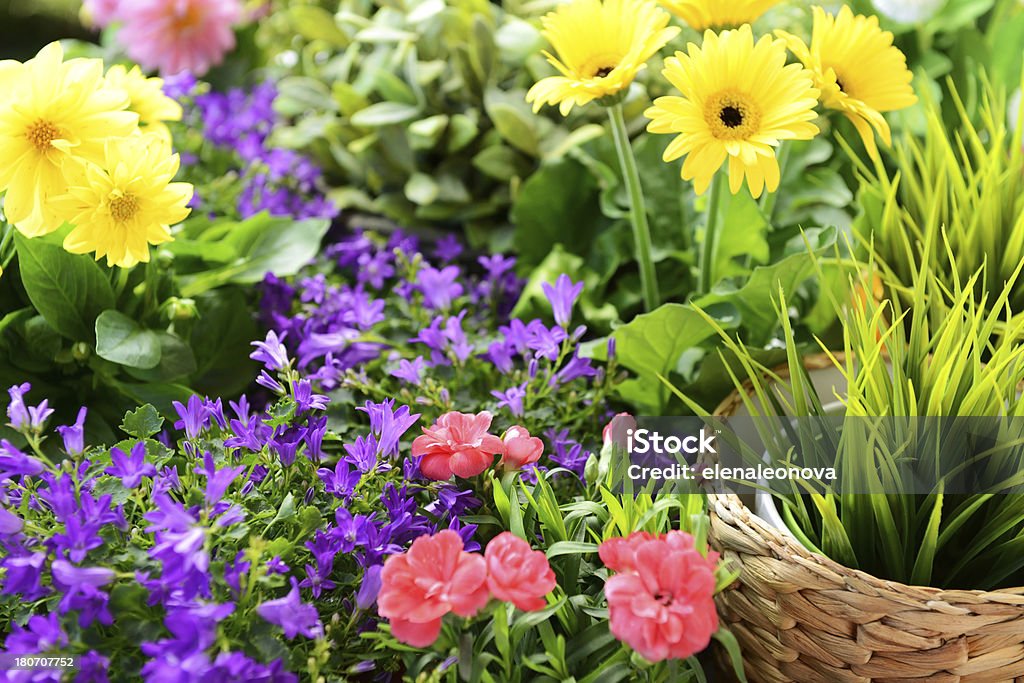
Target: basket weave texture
(802,617)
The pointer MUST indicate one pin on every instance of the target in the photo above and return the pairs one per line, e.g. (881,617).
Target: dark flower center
(603,71)
(731,117)
(664,598)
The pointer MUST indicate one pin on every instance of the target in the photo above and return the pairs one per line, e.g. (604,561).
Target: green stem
(637,208)
(8,235)
(709,249)
(768,199)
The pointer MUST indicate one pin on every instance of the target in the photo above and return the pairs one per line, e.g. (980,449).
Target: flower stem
(768,199)
(709,249)
(637,208)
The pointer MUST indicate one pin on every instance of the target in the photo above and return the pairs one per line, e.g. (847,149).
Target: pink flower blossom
(661,604)
(436,576)
(518,574)
(101,13)
(521,449)
(458,443)
(178,35)
(615,430)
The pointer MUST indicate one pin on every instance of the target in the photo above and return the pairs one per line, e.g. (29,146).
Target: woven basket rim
(731,505)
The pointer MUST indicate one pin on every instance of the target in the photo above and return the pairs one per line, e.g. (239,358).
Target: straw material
(801,617)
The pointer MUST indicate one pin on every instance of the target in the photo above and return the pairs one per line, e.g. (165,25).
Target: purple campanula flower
(457,341)
(410,371)
(195,418)
(546,342)
(341,481)
(26,417)
(271,352)
(74,435)
(389,424)
(93,667)
(217,480)
(500,353)
(316,581)
(314,437)
(517,334)
(277,566)
(366,596)
(23,576)
(611,348)
(448,248)
(496,265)
(305,399)
(363,453)
(286,443)
(374,269)
(131,468)
(234,571)
(15,463)
(512,399)
(292,615)
(439,287)
(576,367)
(81,587)
(10,523)
(41,634)
(78,538)
(562,296)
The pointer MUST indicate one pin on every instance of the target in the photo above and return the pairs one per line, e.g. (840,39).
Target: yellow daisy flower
(52,110)
(147,98)
(121,207)
(858,70)
(601,46)
(739,100)
(717,14)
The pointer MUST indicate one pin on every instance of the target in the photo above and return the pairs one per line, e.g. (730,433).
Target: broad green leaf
(385,114)
(68,290)
(315,23)
(143,422)
(121,340)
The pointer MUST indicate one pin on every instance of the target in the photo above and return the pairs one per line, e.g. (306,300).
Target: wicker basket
(801,617)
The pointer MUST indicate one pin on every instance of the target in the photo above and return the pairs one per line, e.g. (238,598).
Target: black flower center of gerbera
(731,117)
(603,71)
(839,84)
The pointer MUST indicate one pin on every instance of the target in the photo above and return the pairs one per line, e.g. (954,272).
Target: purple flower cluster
(274,179)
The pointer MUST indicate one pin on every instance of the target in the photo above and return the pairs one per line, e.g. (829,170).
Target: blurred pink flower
(661,604)
(521,449)
(101,13)
(518,574)
(458,443)
(434,577)
(178,35)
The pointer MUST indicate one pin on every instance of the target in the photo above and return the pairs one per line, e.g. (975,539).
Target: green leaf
(743,236)
(68,290)
(142,422)
(267,245)
(570,548)
(732,648)
(176,361)
(121,340)
(652,344)
(514,121)
(315,23)
(222,350)
(556,205)
(385,114)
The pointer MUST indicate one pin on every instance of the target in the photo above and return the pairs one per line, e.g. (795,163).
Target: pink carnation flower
(436,576)
(661,604)
(458,443)
(178,35)
(521,449)
(518,574)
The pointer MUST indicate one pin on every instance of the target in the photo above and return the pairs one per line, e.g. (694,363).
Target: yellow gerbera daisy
(705,14)
(147,98)
(601,46)
(52,110)
(858,70)
(121,207)
(739,100)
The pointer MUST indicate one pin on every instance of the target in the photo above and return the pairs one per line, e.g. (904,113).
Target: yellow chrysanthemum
(601,46)
(52,110)
(717,14)
(121,207)
(858,70)
(739,100)
(147,98)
